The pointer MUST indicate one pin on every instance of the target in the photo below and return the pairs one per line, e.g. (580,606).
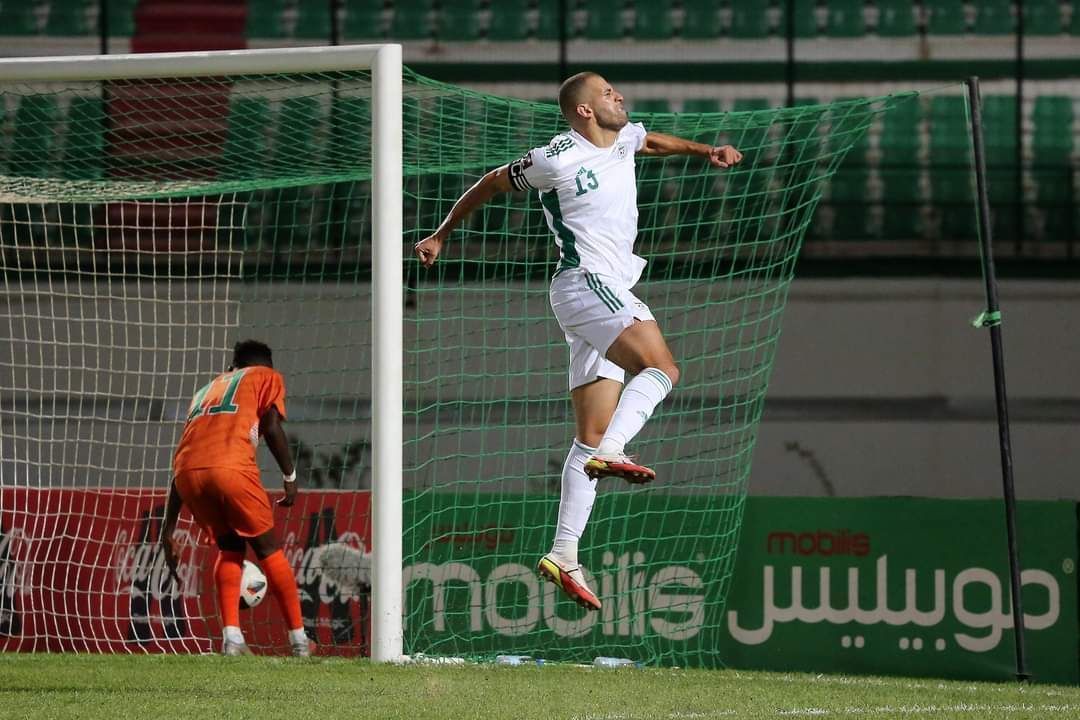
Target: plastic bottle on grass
(614,662)
(512,659)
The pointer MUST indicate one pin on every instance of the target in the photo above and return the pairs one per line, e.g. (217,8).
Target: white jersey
(589,195)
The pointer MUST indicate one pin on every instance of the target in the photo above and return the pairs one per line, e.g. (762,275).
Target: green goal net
(145,226)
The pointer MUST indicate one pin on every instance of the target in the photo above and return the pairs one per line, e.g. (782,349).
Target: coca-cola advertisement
(83,570)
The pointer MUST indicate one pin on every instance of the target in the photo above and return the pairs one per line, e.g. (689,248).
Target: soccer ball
(252,586)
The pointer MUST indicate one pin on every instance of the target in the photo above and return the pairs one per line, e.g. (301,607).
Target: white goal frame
(384,62)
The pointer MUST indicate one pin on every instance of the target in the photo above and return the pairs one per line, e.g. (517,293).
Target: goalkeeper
(588,190)
(215,475)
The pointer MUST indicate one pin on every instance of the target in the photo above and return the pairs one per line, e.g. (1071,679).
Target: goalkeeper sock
(636,405)
(228,570)
(575,504)
(282,582)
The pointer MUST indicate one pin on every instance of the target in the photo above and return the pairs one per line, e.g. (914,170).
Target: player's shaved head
(252,352)
(575,90)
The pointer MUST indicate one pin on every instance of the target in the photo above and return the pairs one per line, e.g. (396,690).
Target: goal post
(383,62)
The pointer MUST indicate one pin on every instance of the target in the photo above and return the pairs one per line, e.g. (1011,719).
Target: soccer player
(588,189)
(216,477)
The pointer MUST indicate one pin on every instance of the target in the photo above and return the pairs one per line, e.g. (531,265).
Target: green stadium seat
(999,128)
(68,18)
(350,131)
(849,202)
(264,18)
(701,105)
(652,20)
(650,105)
(31,146)
(547,23)
(412,20)
(458,21)
(84,144)
(313,21)
(18,18)
(846,19)
(1042,17)
(994,17)
(605,20)
(896,18)
(122,18)
(298,123)
(701,21)
(750,132)
(1052,138)
(363,20)
(806,19)
(946,17)
(900,133)
(245,144)
(1074,24)
(749,18)
(508,21)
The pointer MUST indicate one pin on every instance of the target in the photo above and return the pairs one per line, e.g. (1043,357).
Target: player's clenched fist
(724,156)
(427,250)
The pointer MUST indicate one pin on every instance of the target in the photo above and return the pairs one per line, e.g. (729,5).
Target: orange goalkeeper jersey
(222,427)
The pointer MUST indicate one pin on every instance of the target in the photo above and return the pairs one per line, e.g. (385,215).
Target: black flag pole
(991,319)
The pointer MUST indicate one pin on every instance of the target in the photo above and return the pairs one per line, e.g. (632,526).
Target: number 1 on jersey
(222,404)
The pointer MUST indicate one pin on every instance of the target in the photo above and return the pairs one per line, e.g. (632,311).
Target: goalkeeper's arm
(495,182)
(271,430)
(659,145)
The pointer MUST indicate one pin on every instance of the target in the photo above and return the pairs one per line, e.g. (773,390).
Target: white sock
(297,637)
(636,404)
(575,504)
(234,635)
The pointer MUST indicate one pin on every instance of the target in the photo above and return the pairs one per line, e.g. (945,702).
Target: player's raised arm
(271,430)
(659,144)
(487,187)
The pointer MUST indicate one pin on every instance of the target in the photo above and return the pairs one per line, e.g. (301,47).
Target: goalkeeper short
(592,314)
(225,500)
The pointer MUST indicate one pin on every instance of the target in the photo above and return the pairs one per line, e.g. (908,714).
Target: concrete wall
(879,387)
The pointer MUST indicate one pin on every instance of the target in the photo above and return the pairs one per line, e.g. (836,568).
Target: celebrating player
(588,190)
(216,477)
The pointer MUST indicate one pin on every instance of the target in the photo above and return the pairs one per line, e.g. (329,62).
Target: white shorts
(592,314)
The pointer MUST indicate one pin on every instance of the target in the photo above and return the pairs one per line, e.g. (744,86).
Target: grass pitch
(89,687)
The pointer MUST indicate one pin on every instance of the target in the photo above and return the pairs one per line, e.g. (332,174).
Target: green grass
(88,687)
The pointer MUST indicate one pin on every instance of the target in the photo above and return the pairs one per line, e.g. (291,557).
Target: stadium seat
(68,18)
(508,20)
(749,18)
(18,18)
(701,105)
(650,105)
(363,20)
(605,20)
(298,123)
(458,21)
(1074,24)
(1052,138)
(350,130)
(245,144)
(122,17)
(896,18)
(900,133)
(547,23)
(846,19)
(263,18)
(946,17)
(31,146)
(412,20)
(313,21)
(849,201)
(85,139)
(1042,17)
(806,19)
(994,17)
(652,20)
(750,132)
(999,128)
(701,21)
(950,167)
